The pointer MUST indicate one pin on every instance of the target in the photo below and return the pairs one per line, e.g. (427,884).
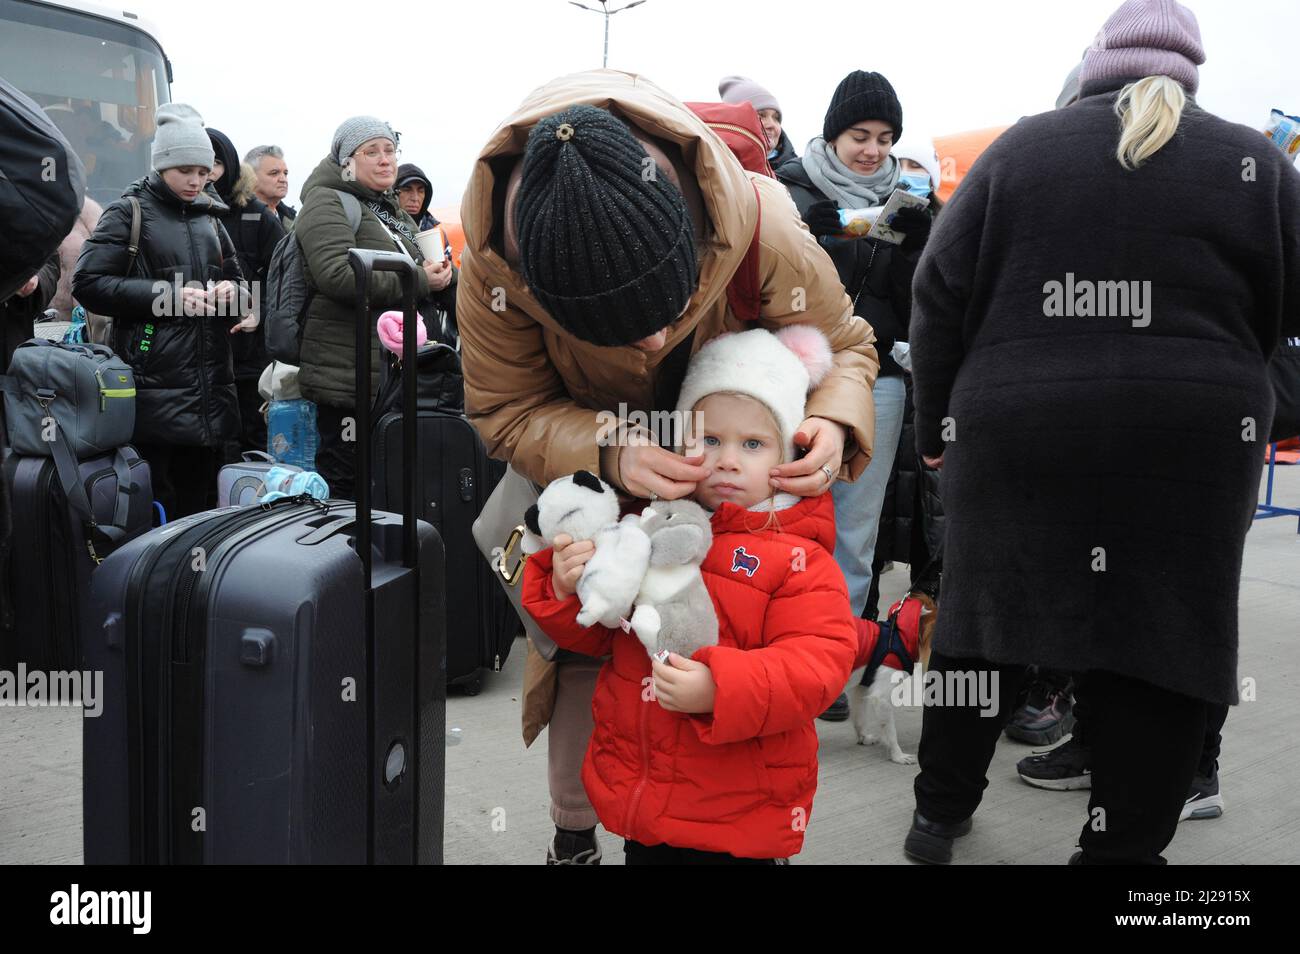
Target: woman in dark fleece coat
(1102,444)
(176,338)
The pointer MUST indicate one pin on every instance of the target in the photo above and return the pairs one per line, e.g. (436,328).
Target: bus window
(99,81)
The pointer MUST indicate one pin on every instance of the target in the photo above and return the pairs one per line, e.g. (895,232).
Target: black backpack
(287,292)
(42,188)
(440,384)
(1284,373)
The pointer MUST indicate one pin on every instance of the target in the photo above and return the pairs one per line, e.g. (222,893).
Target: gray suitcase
(273,682)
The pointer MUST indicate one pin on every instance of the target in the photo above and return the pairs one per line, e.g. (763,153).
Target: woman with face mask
(852,166)
(911,519)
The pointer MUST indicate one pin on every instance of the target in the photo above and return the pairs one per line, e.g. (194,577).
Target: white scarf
(781,501)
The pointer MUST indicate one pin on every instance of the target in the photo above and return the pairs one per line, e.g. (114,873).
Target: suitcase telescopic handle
(365,263)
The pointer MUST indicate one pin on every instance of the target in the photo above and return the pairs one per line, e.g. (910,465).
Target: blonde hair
(1149,111)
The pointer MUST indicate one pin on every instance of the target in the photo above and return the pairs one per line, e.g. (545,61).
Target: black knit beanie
(607,249)
(861,96)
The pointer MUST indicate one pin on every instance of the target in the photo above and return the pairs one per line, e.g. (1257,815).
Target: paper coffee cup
(430,242)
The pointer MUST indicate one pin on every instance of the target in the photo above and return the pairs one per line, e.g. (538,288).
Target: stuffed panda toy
(586,508)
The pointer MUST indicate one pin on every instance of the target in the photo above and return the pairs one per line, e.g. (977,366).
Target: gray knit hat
(353,132)
(180,139)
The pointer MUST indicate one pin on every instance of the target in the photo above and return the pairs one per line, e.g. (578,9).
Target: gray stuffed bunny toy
(674,612)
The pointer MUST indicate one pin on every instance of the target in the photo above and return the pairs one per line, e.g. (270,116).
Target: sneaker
(571,849)
(1063,769)
(1046,717)
(1204,801)
(839,710)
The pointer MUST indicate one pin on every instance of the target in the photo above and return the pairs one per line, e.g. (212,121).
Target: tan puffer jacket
(535,392)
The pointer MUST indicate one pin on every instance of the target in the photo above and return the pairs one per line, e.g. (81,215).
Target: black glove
(823,218)
(915,226)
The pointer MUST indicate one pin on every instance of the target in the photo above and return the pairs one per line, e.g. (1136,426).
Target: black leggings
(1145,743)
(184,478)
(1215,715)
(336,458)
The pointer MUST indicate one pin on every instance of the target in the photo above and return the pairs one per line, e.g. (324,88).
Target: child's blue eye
(710,441)
(753,444)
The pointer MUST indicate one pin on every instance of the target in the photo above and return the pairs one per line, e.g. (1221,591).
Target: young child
(713,760)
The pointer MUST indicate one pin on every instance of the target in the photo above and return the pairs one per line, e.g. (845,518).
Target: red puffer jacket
(739,780)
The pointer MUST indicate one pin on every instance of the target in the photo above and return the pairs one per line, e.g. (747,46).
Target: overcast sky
(446,74)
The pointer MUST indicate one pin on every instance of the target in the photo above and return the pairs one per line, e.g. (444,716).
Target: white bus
(99,74)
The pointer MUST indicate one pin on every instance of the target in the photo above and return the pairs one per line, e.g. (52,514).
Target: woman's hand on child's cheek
(805,477)
(569,559)
(646,469)
(683,685)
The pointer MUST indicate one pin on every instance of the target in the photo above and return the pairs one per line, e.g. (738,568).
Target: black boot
(931,842)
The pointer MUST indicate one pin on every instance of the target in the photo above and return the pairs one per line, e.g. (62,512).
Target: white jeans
(857,504)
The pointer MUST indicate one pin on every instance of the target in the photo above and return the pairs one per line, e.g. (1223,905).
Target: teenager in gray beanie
(177,337)
(181,139)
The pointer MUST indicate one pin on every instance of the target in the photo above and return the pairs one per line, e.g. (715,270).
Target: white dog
(904,639)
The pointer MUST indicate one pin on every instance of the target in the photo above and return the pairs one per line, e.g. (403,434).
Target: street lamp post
(606,12)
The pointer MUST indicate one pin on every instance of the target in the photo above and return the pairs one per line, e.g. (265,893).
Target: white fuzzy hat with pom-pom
(777,369)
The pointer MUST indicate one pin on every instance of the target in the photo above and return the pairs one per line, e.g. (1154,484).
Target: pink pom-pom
(811,348)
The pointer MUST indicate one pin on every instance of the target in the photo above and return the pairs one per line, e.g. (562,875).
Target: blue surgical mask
(918,183)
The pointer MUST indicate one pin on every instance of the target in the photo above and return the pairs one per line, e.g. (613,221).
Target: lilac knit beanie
(1147,38)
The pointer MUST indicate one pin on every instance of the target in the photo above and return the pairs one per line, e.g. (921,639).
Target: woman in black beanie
(604,224)
(850,166)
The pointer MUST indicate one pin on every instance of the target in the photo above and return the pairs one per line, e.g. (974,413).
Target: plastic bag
(1283,131)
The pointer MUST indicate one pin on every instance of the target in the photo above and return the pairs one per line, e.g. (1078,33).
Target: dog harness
(904,617)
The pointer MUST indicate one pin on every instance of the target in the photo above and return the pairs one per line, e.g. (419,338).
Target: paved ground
(497,805)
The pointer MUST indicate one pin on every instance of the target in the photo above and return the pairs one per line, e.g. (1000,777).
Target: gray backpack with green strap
(284,306)
(73,402)
(81,394)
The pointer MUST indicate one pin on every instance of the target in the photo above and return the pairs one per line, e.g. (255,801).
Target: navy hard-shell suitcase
(273,684)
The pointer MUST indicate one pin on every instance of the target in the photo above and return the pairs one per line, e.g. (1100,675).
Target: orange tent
(958,152)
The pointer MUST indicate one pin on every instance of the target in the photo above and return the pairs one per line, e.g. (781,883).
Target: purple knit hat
(1147,38)
(742,89)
